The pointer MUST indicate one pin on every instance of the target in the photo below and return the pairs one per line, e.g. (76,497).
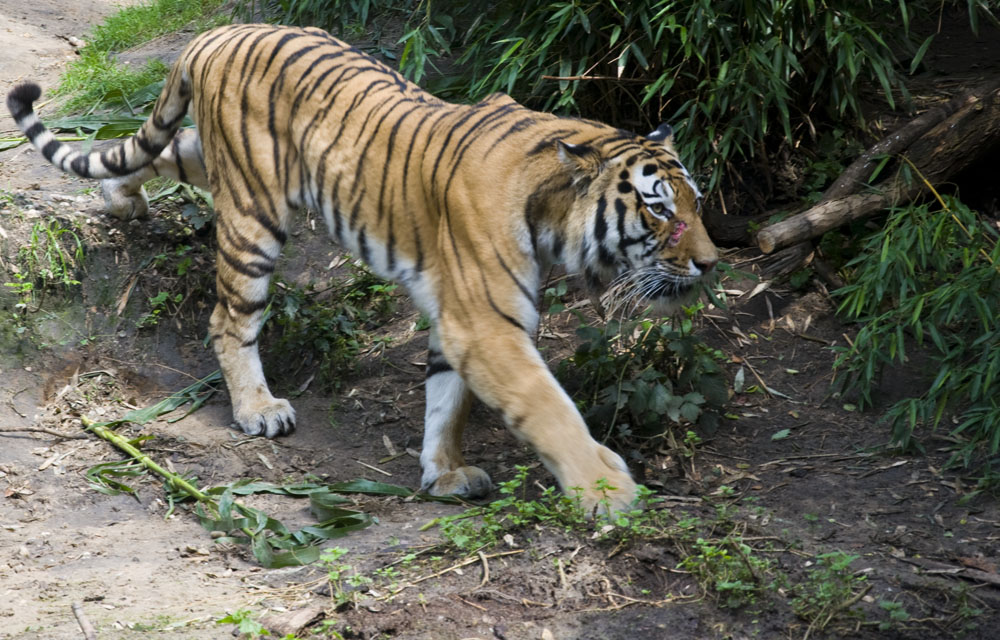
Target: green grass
(133,25)
(97,80)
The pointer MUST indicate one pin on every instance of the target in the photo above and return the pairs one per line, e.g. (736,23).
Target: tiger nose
(706,266)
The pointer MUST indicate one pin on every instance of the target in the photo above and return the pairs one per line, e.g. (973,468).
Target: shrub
(633,380)
(930,279)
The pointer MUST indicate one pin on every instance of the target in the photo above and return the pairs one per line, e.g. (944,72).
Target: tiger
(466,206)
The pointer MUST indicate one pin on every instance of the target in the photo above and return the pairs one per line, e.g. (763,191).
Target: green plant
(554,295)
(96,80)
(897,614)
(245,623)
(633,378)
(485,526)
(51,258)
(930,280)
(345,580)
(829,589)
(327,326)
(158,305)
(731,569)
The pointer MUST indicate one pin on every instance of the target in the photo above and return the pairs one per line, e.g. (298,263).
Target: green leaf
(919,55)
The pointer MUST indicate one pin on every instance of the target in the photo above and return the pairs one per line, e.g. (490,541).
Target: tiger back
(464,205)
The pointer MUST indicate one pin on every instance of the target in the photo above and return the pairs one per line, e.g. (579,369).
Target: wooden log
(787,260)
(946,149)
(820,219)
(856,176)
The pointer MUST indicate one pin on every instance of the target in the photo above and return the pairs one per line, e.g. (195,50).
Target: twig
(471,604)
(176,482)
(847,604)
(437,574)
(85,626)
(51,432)
(486,570)
(368,466)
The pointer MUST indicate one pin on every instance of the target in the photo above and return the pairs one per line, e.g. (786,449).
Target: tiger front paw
(608,486)
(467,482)
(269,419)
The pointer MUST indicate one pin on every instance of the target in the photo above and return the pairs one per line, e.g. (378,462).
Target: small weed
(245,623)
(897,615)
(554,295)
(964,617)
(486,526)
(51,259)
(345,580)
(830,587)
(730,568)
(158,306)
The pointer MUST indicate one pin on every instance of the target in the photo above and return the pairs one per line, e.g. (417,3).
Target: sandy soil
(139,573)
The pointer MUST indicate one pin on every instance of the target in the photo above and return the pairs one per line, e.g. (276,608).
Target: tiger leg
(448,401)
(503,368)
(181,160)
(247,253)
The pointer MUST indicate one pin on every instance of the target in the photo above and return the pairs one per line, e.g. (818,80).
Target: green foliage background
(734,77)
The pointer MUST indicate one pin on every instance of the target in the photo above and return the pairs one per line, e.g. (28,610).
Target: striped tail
(125,158)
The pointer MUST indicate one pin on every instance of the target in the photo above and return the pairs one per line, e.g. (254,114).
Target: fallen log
(856,176)
(952,145)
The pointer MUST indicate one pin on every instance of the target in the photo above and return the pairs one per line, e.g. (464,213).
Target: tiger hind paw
(467,482)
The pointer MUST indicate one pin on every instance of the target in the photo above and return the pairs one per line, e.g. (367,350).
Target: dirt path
(823,486)
(60,542)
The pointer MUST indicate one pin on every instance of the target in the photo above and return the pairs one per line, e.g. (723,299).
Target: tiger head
(642,235)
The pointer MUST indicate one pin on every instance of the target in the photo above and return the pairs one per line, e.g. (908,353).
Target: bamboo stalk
(176,481)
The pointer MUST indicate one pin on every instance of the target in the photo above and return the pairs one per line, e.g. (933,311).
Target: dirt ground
(826,486)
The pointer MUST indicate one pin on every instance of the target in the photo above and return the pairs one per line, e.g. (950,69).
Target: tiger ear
(664,133)
(582,160)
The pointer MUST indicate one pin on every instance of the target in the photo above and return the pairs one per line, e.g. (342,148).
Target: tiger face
(644,238)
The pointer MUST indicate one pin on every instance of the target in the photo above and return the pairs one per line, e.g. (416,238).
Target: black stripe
(600,224)
(524,289)
(366,253)
(146,145)
(178,160)
(255,269)
(34,130)
(50,148)
(436,364)
(81,166)
(493,305)
(244,307)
